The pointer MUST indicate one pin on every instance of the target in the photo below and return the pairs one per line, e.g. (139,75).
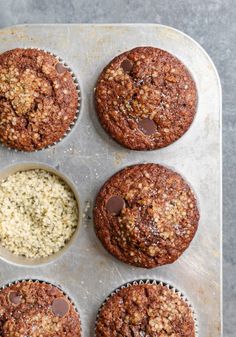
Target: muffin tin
(87,156)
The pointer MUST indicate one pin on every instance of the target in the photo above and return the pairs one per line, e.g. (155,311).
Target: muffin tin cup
(156,282)
(6,254)
(72,124)
(50,283)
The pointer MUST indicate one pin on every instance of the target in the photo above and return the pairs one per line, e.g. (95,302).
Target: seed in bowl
(38,213)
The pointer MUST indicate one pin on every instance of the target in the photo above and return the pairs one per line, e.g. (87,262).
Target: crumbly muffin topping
(145,311)
(38,213)
(156,221)
(33,315)
(146,98)
(38,100)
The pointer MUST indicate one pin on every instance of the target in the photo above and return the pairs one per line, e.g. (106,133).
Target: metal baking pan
(88,156)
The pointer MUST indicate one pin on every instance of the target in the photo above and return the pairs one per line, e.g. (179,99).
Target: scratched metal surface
(88,157)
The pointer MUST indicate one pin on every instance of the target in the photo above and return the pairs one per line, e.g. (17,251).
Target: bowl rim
(5,254)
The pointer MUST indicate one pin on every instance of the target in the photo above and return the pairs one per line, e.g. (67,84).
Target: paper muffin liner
(156,282)
(77,86)
(50,283)
(72,124)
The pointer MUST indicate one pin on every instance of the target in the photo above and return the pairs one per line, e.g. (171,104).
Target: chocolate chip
(115,204)
(60,68)
(127,65)
(147,126)
(14,297)
(16,314)
(60,307)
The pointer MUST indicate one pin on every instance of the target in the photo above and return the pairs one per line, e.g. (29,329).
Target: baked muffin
(147,310)
(38,99)
(146,98)
(36,309)
(146,215)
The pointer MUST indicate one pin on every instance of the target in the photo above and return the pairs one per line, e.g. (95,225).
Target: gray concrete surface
(212,23)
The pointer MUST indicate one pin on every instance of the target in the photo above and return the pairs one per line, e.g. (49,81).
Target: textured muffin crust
(156,221)
(145,98)
(145,311)
(38,99)
(37,309)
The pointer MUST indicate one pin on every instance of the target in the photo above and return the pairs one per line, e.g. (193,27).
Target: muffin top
(146,98)
(38,99)
(37,309)
(147,310)
(146,215)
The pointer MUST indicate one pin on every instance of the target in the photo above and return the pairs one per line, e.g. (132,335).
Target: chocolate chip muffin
(146,98)
(146,215)
(147,310)
(38,99)
(37,309)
